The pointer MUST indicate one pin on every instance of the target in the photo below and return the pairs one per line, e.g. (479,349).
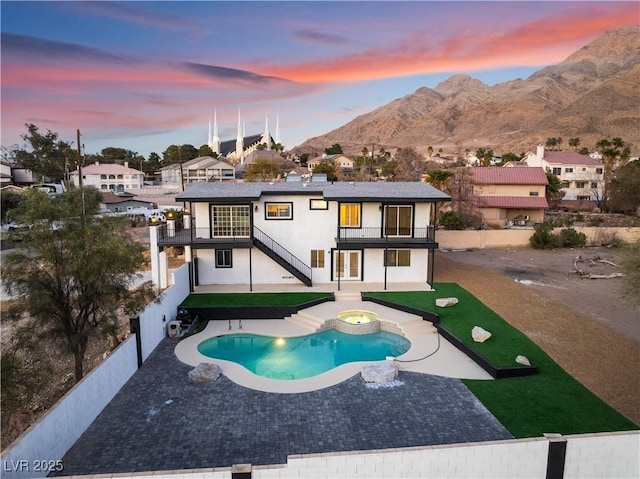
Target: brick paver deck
(162,421)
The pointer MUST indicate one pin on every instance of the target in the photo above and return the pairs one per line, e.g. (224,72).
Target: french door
(347,265)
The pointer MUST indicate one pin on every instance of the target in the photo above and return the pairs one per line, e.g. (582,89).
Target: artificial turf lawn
(204,300)
(551,401)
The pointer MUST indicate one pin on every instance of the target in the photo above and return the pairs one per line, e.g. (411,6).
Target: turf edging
(256,311)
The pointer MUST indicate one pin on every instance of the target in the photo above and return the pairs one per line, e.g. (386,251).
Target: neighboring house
(122,202)
(109,177)
(582,177)
(339,160)
(290,232)
(203,168)
(509,196)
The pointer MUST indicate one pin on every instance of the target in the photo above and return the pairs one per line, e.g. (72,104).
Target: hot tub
(355,321)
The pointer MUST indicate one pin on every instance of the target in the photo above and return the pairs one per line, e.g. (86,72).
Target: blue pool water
(303,356)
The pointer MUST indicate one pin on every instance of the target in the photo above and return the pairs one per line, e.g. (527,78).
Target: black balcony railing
(168,237)
(384,234)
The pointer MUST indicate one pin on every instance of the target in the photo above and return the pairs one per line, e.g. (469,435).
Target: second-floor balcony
(381,237)
(201,237)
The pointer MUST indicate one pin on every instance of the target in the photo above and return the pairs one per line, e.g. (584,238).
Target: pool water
(302,356)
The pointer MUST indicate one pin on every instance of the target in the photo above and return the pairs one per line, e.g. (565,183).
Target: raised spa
(357,321)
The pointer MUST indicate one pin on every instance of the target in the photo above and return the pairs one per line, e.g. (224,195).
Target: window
(557,171)
(103,177)
(568,170)
(598,171)
(223,258)
(580,184)
(350,215)
(112,177)
(533,193)
(120,177)
(584,197)
(594,184)
(230,220)
(278,211)
(398,257)
(317,258)
(318,205)
(398,220)
(104,187)
(566,184)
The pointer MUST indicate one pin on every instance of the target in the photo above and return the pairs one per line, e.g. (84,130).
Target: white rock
(479,334)
(379,373)
(444,302)
(205,373)
(523,360)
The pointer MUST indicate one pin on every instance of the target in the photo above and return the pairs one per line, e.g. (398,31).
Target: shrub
(542,237)
(570,238)
(450,220)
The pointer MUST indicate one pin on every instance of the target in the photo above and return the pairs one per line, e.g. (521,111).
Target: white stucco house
(582,176)
(109,177)
(202,168)
(310,233)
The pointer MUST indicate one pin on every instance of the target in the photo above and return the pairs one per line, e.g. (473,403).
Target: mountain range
(593,94)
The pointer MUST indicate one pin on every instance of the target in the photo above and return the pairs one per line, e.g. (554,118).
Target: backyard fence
(40,448)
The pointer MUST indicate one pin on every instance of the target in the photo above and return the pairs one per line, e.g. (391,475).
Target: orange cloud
(536,43)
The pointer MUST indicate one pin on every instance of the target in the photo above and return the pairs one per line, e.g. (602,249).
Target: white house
(339,160)
(203,168)
(582,177)
(292,232)
(109,177)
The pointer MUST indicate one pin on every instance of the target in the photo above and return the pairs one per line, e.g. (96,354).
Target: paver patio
(162,421)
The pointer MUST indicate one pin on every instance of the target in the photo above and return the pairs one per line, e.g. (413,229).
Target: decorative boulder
(523,360)
(445,302)
(379,373)
(205,373)
(479,334)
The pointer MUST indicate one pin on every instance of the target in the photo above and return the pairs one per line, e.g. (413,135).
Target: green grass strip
(551,401)
(204,300)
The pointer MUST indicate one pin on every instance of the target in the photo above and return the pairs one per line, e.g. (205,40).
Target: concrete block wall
(52,436)
(603,455)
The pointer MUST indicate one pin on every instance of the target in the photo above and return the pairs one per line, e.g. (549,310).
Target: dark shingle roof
(337,191)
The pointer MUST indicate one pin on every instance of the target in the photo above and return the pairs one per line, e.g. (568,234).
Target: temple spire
(278,129)
(266,137)
(215,139)
(240,141)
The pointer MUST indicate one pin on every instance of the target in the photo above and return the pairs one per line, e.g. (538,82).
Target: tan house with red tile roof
(109,177)
(582,177)
(509,196)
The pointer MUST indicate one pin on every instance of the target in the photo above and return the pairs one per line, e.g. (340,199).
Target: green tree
(263,169)
(583,151)
(112,154)
(46,155)
(152,164)
(615,153)
(188,152)
(328,167)
(440,179)
(624,193)
(74,272)
(205,150)
(574,143)
(510,156)
(553,190)
(10,200)
(551,143)
(484,156)
(171,155)
(334,149)
(388,169)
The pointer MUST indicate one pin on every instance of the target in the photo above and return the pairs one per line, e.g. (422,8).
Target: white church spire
(240,141)
(266,137)
(215,139)
(278,129)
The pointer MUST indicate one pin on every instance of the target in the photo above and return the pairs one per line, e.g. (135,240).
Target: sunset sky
(145,75)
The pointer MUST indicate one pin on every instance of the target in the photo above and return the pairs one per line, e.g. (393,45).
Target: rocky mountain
(593,94)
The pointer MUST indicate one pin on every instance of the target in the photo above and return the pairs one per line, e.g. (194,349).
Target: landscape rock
(379,373)
(523,360)
(445,302)
(205,373)
(479,334)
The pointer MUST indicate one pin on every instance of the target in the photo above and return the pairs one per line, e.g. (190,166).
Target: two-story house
(317,232)
(340,161)
(203,168)
(109,177)
(509,196)
(582,177)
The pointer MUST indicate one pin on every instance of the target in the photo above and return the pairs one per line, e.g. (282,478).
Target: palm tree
(574,143)
(614,153)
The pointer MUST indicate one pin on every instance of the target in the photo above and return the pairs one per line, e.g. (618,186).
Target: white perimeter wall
(51,437)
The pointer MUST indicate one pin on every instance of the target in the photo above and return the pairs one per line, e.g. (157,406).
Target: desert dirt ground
(583,324)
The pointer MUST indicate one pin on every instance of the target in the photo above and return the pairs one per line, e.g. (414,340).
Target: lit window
(317,258)
(279,211)
(350,215)
(318,205)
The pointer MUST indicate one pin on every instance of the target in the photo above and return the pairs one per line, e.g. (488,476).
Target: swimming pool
(302,356)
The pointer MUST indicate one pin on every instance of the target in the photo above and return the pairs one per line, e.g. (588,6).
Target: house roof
(495,175)
(336,191)
(512,202)
(108,169)
(569,158)
(109,198)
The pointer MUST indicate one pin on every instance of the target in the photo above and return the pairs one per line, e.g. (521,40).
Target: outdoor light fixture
(256,208)
(153,220)
(186,211)
(169,215)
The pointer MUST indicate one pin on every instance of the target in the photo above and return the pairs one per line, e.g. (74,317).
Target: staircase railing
(279,250)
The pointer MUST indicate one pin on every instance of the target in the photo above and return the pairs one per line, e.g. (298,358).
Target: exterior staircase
(282,256)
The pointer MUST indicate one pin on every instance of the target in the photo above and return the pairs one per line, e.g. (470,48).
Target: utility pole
(80,161)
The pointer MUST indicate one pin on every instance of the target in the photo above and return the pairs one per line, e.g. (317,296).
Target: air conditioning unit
(173,329)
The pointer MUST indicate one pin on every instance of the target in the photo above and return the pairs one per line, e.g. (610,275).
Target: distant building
(109,177)
(339,160)
(582,177)
(203,168)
